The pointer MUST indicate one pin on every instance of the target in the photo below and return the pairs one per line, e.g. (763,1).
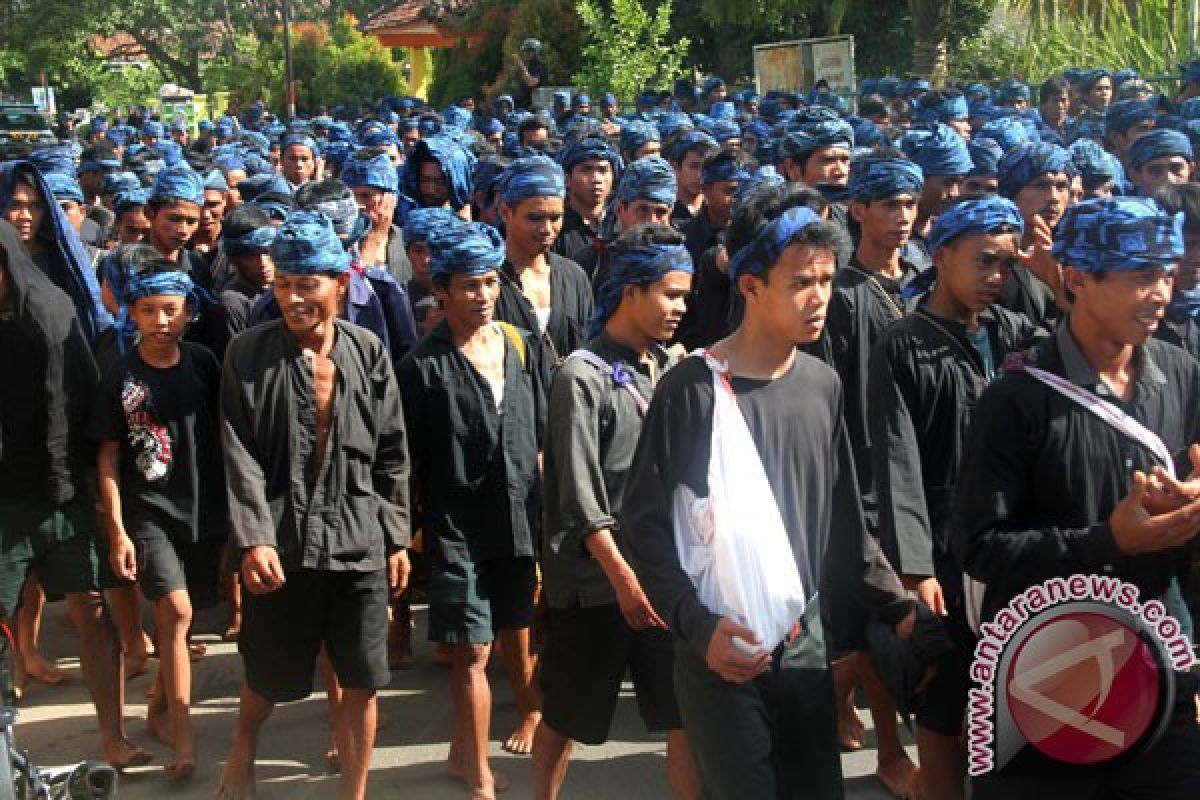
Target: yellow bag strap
(513,335)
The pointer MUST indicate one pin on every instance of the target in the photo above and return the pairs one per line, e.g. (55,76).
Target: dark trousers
(774,737)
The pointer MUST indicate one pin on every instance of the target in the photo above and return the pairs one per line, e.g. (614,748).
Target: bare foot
(850,727)
(901,778)
(184,764)
(125,754)
(135,666)
(197,651)
(159,724)
(521,740)
(40,669)
(479,791)
(234,630)
(237,779)
(333,759)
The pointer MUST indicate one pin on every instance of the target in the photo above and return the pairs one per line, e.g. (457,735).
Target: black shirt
(165,420)
(476,465)
(796,423)
(576,234)
(1180,329)
(1041,474)
(707,318)
(231,315)
(570,305)
(1025,293)
(924,381)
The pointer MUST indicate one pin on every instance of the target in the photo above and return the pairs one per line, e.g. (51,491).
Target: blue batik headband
(638,266)
(1119,234)
(765,249)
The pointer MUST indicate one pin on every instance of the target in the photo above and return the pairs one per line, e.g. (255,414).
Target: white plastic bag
(733,543)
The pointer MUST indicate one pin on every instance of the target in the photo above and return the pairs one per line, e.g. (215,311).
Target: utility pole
(287,59)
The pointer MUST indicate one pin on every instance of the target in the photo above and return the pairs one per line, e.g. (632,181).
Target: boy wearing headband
(160,478)
(760,716)
(1050,488)
(926,374)
(599,623)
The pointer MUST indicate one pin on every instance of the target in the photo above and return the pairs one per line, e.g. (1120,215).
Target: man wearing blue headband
(1124,122)
(312,402)
(162,500)
(246,238)
(818,154)
(686,151)
(130,224)
(721,173)
(638,140)
(1070,469)
(1037,177)
(474,400)
(599,622)
(645,195)
(1054,102)
(208,233)
(944,160)
(1159,158)
(982,181)
(590,166)
(1181,325)
(926,374)
(375,183)
(540,290)
(737,689)
(97,161)
(299,159)
(1095,89)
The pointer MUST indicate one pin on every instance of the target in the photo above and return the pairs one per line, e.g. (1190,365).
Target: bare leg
(551,756)
(850,728)
(356,739)
(233,595)
(943,765)
(468,760)
(32,664)
(237,779)
(895,771)
(126,604)
(521,666)
(100,662)
(172,618)
(682,771)
(333,691)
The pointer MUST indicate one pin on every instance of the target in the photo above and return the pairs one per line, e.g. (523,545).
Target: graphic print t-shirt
(165,422)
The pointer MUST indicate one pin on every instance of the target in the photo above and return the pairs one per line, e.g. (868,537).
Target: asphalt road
(57,726)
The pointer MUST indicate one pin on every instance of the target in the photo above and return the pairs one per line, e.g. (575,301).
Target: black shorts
(587,653)
(469,601)
(56,543)
(942,705)
(164,566)
(283,631)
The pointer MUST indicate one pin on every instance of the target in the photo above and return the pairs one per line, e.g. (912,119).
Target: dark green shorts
(469,601)
(59,544)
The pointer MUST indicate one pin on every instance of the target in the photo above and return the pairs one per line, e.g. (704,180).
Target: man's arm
(121,552)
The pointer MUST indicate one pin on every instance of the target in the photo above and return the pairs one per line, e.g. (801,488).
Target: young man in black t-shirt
(161,484)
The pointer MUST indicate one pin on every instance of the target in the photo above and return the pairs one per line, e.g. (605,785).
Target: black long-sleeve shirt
(796,423)
(592,432)
(570,305)
(925,379)
(475,465)
(358,503)
(1041,474)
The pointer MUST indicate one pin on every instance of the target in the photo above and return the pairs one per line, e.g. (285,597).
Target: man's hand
(1136,531)
(636,609)
(928,590)
(1167,493)
(729,660)
(122,557)
(399,568)
(906,626)
(261,571)
(1038,260)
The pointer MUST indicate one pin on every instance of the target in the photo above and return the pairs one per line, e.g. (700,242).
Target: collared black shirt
(924,381)
(1025,293)
(1180,329)
(699,235)
(1041,474)
(796,423)
(709,304)
(591,434)
(862,306)
(475,466)
(358,503)
(576,234)
(570,305)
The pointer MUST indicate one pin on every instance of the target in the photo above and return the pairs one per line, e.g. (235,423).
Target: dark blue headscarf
(1124,114)
(456,163)
(948,110)
(765,177)
(982,215)
(464,248)
(1119,234)
(421,224)
(586,149)
(651,178)
(536,176)
(376,172)
(766,247)
(638,266)
(1159,143)
(680,146)
(69,267)
(636,133)
(1095,164)
(1088,78)
(875,178)
(306,244)
(938,151)
(1022,164)
(1008,132)
(257,240)
(180,182)
(985,155)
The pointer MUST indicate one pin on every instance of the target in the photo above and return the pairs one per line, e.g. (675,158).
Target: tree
(931,33)
(626,49)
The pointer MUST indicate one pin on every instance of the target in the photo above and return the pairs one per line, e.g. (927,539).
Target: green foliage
(627,49)
(129,86)
(1143,35)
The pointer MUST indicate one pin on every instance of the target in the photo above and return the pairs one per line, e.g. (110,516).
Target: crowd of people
(736,395)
